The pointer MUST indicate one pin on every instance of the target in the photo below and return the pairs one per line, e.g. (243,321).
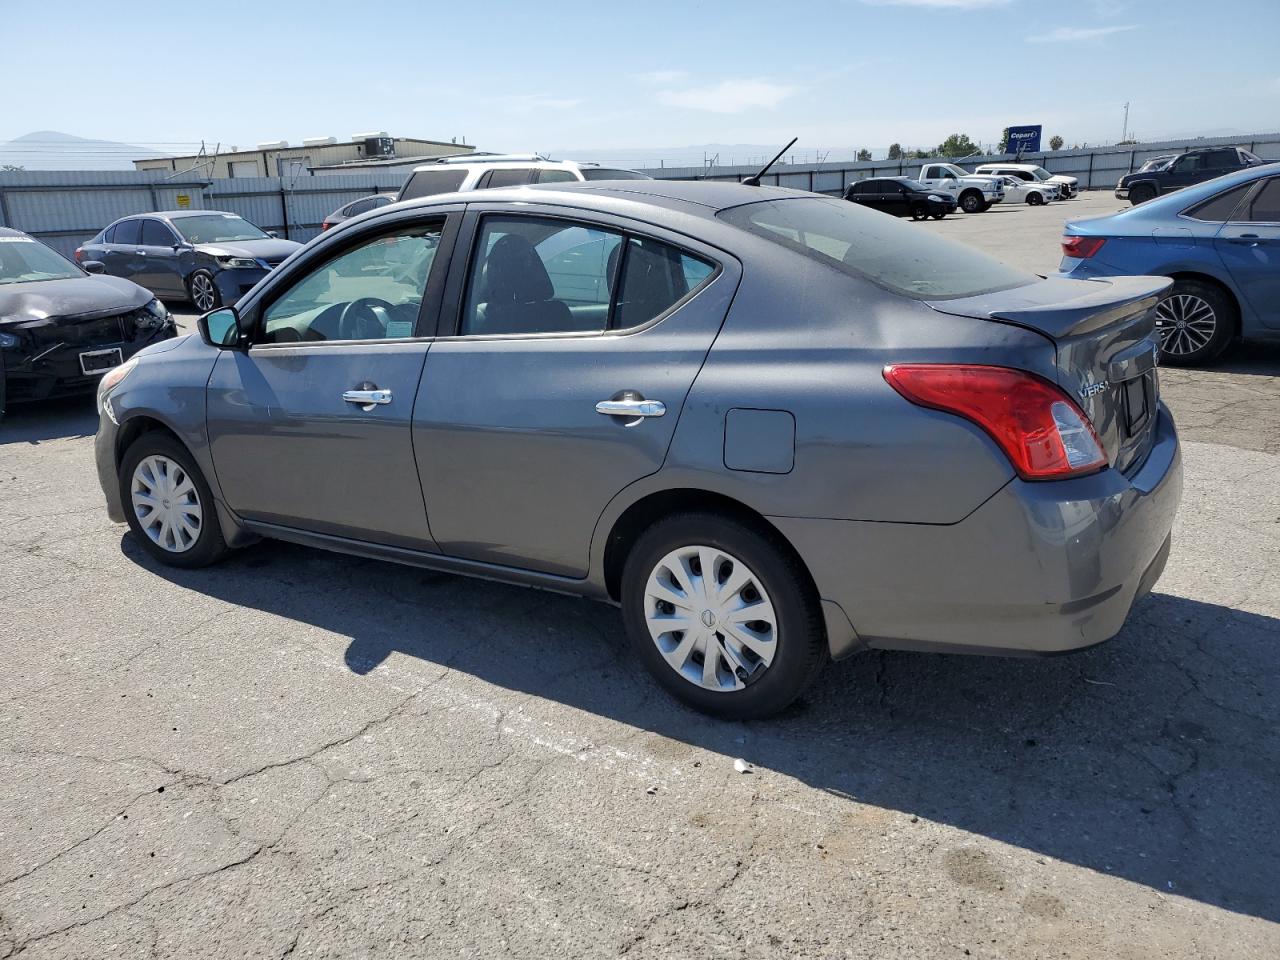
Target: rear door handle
(367,399)
(631,408)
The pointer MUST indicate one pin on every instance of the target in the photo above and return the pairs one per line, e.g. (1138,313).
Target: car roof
(701,198)
(10,232)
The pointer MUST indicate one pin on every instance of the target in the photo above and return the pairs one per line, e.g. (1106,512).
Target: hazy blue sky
(553,76)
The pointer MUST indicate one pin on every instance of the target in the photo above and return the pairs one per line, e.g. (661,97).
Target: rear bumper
(1039,568)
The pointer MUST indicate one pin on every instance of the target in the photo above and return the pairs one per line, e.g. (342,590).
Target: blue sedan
(1218,240)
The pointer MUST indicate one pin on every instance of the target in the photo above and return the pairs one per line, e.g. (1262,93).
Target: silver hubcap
(166,503)
(711,618)
(202,291)
(1186,323)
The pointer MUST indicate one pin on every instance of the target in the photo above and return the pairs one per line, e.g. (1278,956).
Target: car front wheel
(971,202)
(204,291)
(1196,322)
(1141,193)
(919,212)
(1035,199)
(168,503)
(723,615)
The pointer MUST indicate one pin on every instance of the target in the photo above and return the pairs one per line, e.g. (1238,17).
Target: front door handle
(631,408)
(367,399)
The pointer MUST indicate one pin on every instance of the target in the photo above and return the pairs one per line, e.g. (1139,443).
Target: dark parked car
(775,427)
(206,256)
(1219,241)
(1184,170)
(61,327)
(902,197)
(355,208)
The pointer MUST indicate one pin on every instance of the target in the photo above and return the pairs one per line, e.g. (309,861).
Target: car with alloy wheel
(209,257)
(1182,171)
(775,428)
(1033,193)
(62,326)
(902,197)
(1068,186)
(1220,243)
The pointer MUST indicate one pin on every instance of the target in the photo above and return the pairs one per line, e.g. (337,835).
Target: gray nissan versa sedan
(775,427)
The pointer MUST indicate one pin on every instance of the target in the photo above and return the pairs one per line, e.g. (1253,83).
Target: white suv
(451,174)
(1068,187)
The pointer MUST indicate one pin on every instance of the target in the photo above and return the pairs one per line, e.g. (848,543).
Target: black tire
(939,215)
(801,641)
(208,546)
(1180,303)
(1141,193)
(203,291)
(971,202)
(1035,199)
(919,212)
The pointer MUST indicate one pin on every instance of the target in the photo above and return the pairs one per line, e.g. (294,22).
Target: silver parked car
(774,427)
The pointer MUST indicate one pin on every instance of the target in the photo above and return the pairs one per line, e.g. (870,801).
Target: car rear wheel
(971,202)
(919,212)
(723,615)
(1141,193)
(203,291)
(1196,322)
(168,504)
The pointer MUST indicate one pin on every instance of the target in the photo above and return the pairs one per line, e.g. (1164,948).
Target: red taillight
(1082,248)
(1042,431)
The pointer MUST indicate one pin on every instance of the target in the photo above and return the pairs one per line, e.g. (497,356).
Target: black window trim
(464,259)
(164,225)
(1254,187)
(253,314)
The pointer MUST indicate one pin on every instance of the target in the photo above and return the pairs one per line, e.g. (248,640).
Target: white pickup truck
(974,193)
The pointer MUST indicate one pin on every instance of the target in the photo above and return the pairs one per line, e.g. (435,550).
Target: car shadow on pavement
(49,420)
(1257,358)
(1152,758)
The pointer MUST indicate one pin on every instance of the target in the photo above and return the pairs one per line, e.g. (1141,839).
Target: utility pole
(1125,134)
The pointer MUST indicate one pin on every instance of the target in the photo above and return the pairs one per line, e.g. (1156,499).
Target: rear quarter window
(870,246)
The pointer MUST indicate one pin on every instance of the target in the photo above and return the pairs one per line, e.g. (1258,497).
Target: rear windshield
(428,183)
(885,250)
(599,173)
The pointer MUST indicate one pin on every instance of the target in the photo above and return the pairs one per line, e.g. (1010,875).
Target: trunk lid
(1107,348)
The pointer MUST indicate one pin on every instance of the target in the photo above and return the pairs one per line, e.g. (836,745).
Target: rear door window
(883,250)
(428,183)
(1265,206)
(128,232)
(504,178)
(359,207)
(552,175)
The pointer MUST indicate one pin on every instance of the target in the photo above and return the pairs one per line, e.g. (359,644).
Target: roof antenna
(755,181)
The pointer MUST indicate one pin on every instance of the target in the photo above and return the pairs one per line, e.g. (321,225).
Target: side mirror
(221,328)
(93,266)
(273,235)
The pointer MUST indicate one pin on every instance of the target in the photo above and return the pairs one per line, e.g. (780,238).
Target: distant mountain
(51,150)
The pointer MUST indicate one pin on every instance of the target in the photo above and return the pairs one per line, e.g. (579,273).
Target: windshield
(596,173)
(1040,173)
(865,243)
(23,260)
(914,185)
(217,228)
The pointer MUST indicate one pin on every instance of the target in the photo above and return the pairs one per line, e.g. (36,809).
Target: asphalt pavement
(302,754)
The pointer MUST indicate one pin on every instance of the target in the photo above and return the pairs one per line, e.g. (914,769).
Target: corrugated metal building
(280,159)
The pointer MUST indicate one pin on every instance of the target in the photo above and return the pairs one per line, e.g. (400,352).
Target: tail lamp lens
(1082,248)
(1042,431)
